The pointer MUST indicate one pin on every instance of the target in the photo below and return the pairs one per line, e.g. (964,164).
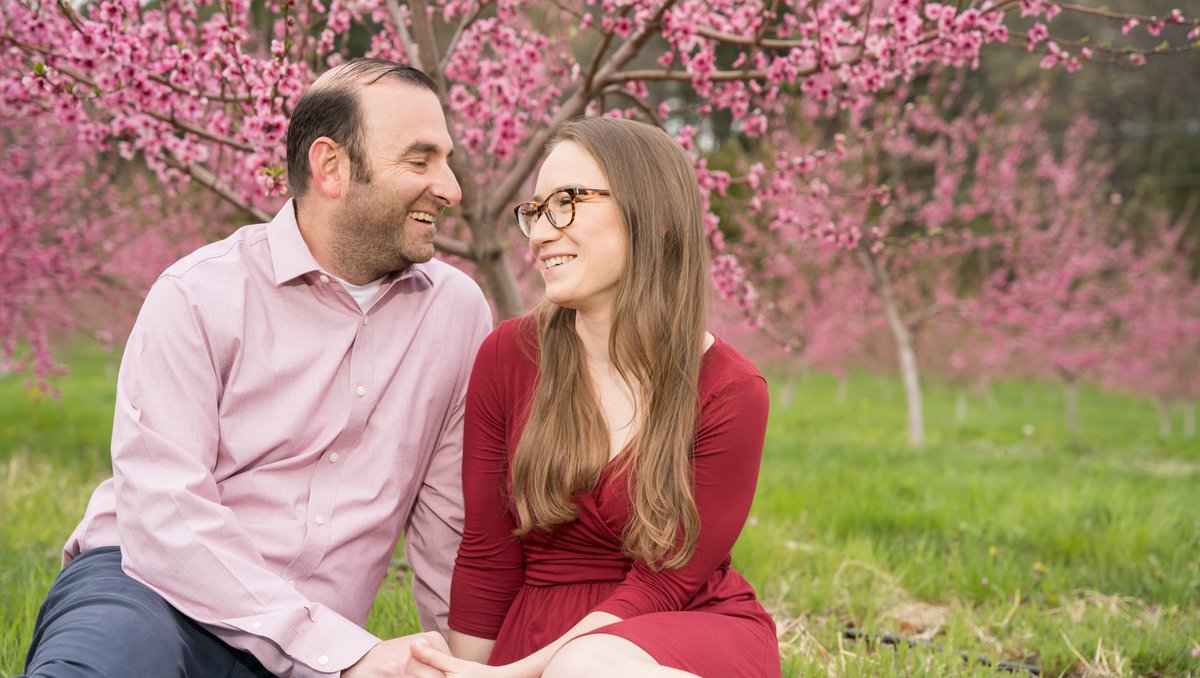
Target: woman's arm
(471,648)
(463,666)
(490,565)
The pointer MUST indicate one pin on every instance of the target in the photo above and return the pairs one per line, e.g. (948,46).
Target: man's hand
(390,659)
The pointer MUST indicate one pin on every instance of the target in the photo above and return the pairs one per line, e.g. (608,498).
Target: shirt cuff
(325,647)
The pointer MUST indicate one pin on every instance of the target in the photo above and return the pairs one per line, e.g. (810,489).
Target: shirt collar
(291,258)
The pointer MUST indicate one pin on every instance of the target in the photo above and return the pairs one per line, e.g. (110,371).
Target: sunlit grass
(1003,539)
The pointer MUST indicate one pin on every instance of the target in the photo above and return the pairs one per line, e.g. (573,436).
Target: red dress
(525,593)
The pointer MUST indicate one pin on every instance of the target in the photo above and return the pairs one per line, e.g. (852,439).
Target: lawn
(1004,540)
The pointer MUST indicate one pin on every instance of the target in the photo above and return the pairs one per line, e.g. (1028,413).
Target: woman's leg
(599,655)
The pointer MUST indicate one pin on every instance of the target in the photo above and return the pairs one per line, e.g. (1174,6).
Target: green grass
(1004,538)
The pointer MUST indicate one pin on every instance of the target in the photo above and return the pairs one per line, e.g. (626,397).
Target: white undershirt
(363,294)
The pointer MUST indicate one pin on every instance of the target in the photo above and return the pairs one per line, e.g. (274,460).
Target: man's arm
(176,535)
(435,525)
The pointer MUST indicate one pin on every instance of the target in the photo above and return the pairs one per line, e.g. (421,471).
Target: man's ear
(330,167)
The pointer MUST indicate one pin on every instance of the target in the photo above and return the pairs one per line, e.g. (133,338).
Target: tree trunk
(960,405)
(1071,393)
(787,395)
(843,390)
(904,349)
(1189,419)
(1164,416)
(498,281)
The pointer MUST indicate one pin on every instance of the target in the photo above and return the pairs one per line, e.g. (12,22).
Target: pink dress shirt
(272,442)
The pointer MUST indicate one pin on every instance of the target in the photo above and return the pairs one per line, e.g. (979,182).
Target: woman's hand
(451,666)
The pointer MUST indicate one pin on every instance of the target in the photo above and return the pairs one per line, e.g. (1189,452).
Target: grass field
(1004,539)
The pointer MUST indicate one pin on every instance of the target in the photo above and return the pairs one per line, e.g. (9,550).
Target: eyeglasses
(559,208)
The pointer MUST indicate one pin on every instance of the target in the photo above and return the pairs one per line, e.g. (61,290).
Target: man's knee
(107,635)
(99,622)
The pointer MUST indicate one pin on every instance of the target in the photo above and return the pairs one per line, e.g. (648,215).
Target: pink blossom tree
(1058,268)
(1157,351)
(200,90)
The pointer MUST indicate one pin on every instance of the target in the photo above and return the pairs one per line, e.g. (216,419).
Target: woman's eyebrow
(538,198)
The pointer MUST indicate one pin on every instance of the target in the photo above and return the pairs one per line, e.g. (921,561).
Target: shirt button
(365,319)
(292,583)
(333,457)
(257,625)
(319,519)
(323,660)
(361,391)
(324,278)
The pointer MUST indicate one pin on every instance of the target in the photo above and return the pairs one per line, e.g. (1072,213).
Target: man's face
(387,221)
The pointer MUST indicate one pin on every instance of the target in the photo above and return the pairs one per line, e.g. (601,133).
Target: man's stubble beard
(371,237)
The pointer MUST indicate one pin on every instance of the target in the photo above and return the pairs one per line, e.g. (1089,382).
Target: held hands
(392,658)
(432,657)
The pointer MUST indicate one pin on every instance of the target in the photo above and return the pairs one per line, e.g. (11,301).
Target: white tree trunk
(1189,419)
(960,405)
(1071,394)
(787,395)
(904,349)
(843,390)
(1164,416)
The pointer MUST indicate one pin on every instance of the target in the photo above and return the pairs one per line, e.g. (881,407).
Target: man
(290,401)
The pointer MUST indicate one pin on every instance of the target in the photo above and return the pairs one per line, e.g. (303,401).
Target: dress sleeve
(435,525)
(727,455)
(490,564)
(176,535)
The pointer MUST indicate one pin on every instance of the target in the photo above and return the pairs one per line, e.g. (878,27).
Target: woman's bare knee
(600,656)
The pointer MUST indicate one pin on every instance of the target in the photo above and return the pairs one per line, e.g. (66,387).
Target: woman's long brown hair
(656,345)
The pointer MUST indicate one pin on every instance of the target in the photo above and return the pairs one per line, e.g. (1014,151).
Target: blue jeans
(99,622)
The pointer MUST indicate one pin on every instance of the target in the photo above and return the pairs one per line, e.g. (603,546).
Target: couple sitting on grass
(295,397)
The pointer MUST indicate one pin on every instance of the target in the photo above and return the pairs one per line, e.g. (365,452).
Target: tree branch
(1109,14)
(204,176)
(451,246)
(574,106)
(410,47)
(462,26)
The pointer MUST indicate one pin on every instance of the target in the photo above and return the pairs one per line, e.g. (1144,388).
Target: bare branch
(451,246)
(410,47)
(1117,51)
(1109,14)
(743,41)
(641,105)
(686,76)
(427,50)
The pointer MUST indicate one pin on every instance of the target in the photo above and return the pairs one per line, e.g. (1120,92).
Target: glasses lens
(561,209)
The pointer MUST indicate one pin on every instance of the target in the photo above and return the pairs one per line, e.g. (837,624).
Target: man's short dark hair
(334,111)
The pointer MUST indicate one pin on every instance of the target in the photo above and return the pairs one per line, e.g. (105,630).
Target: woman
(612,445)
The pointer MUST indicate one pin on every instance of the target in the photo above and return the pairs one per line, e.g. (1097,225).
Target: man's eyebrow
(426,148)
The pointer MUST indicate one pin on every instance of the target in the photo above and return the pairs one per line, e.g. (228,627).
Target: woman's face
(582,263)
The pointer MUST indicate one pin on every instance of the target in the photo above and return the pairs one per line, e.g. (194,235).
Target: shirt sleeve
(435,526)
(176,535)
(727,455)
(490,564)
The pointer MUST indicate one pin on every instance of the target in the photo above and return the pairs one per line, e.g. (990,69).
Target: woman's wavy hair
(656,345)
